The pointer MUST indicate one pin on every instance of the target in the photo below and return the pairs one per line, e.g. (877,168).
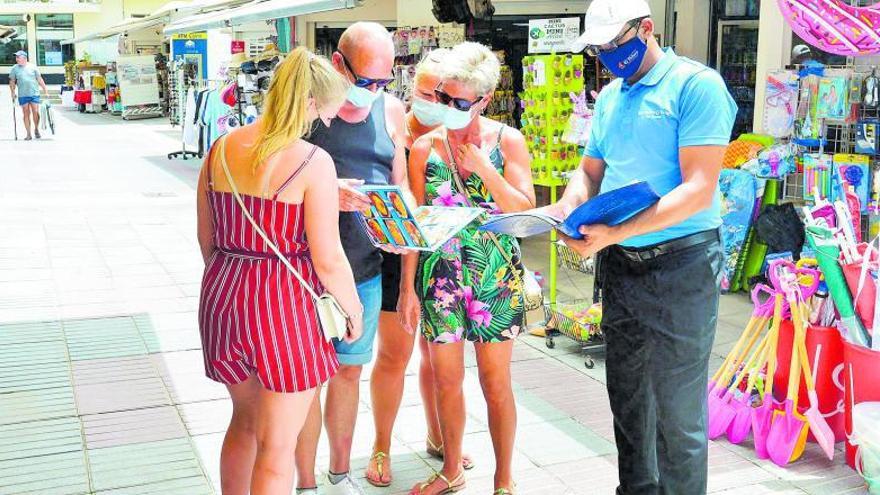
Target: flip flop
(502,491)
(379,457)
(457,484)
(436,452)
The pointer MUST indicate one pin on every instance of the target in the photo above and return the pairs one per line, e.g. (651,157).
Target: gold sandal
(456,485)
(379,457)
(436,452)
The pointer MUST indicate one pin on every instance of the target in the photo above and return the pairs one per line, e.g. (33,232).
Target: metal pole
(669,28)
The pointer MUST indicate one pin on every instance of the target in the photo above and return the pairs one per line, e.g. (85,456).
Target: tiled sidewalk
(101,382)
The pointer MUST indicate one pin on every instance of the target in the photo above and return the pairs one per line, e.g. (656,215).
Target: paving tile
(560,441)
(121,396)
(136,426)
(37,376)
(111,370)
(55,474)
(141,464)
(103,338)
(206,417)
(36,405)
(22,333)
(196,485)
(40,438)
(49,352)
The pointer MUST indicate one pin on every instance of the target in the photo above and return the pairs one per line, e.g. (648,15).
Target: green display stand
(548,81)
(756,251)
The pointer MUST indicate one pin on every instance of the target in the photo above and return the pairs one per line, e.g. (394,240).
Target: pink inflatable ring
(834,27)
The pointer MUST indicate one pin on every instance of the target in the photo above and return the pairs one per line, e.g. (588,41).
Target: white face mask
(429,113)
(362,97)
(455,119)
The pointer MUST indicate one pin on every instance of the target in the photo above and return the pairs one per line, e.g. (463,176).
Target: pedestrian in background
(476,291)
(26,81)
(261,335)
(665,120)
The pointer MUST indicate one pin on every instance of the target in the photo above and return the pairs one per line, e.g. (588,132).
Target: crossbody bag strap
(459,184)
(259,230)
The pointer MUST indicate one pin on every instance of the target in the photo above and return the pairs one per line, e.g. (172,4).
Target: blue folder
(609,208)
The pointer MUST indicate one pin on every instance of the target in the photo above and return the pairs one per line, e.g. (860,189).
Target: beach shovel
(788,429)
(761,416)
(720,414)
(741,423)
(818,425)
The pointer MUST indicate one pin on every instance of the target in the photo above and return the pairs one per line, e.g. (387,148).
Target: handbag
(533,295)
(334,320)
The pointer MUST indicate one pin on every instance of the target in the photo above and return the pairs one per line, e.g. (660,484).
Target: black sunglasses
(459,103)
(364,82)
(595,50)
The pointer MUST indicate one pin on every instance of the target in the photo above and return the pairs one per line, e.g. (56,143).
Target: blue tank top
(363,150)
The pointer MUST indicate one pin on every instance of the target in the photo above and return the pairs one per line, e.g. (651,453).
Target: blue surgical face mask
(362,97)
(455,119)
(429,113)
(626,59)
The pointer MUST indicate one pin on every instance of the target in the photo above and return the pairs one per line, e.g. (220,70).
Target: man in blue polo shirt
(27,80)
(665,120)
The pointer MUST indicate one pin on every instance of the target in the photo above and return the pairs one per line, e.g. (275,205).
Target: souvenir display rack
(839,137)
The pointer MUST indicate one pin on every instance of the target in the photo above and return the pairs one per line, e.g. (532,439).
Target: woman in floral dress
(471,288)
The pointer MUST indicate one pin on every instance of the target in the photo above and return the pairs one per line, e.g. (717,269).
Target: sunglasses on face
(596,50)
(364,82)
(462,104)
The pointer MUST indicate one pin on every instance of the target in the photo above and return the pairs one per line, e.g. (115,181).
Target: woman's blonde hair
(473,65)
(285,118)
(431,64)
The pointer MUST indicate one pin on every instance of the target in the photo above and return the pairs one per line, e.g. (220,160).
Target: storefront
(40,35)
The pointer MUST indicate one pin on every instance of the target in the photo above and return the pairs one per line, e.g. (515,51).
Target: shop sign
(190,36)
(237,46)
(553,35)
(450,35)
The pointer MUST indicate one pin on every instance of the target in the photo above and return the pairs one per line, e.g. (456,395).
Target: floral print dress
(467,289)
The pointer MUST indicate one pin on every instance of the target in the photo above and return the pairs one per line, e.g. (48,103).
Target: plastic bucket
(863,365)
(866,436)
(827,343)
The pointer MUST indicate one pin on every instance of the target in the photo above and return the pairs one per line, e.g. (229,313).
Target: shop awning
(129,25)
(161,16)
(255,12)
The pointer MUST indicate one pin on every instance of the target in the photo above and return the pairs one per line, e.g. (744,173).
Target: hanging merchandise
(866,137)
(817,176)
(548,82)
(580,122)
(739,193)
(853,173)
(832,102)
(834,26)
(780,103)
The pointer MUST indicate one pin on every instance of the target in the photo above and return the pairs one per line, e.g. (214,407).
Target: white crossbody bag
(334,320)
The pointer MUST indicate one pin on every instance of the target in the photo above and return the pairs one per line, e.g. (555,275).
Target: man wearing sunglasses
(665,120)
(366,142)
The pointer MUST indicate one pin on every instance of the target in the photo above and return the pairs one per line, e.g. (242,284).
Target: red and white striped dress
(254,315)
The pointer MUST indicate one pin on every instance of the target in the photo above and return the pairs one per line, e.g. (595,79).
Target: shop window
(52,29)
(17,42)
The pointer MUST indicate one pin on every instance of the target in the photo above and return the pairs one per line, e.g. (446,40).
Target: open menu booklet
(609,208)
(391,222)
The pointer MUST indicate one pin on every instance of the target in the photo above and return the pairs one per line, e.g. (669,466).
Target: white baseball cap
(605,19)
(800,50)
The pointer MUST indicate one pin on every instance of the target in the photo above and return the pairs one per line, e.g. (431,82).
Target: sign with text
(237,46)
(553,35)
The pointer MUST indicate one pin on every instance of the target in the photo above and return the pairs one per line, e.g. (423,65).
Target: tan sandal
(379,457)
(502,491)
(436,452)
(456,485)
